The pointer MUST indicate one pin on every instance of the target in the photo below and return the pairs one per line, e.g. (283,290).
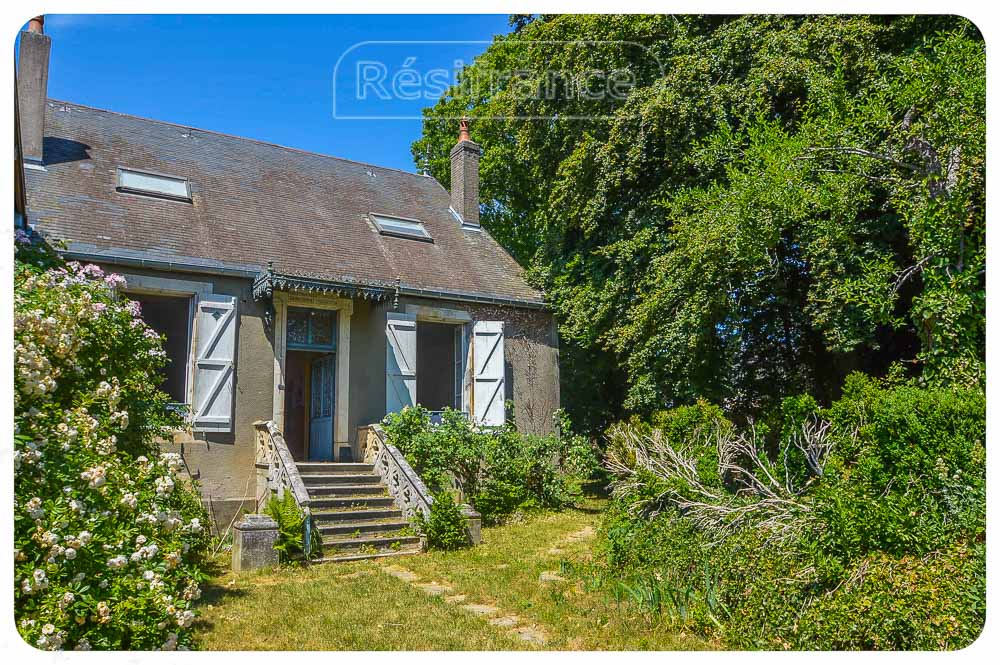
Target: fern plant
(291,538)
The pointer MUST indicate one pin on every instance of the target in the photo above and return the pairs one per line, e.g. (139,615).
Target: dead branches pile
(748,489)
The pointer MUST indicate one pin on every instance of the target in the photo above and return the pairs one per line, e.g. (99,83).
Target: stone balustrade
(405,486)
(408,491)
(277,473)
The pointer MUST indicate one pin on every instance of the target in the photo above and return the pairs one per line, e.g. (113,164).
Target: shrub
(862,526)
(108,535)
(580,457)
(910,472)
(498,470)
(445,528)
(932,602)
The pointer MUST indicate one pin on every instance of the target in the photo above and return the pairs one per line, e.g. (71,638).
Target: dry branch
(752,491)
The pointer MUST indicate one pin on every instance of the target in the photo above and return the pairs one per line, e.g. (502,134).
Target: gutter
(465,296)
(149,261)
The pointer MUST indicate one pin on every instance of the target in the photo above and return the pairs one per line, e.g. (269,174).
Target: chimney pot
(465,176)
(37,25)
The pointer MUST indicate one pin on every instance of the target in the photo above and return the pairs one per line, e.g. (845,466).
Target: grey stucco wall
(367,403)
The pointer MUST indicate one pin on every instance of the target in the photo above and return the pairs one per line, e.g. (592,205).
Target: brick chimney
(465,177)
(32,87)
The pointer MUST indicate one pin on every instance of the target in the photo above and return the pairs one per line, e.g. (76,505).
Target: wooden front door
(321,408)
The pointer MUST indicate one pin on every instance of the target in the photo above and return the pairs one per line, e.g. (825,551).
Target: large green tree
(776,202)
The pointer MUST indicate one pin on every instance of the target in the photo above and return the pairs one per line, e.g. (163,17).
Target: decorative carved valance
(269,281)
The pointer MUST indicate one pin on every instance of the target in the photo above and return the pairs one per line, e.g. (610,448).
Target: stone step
(343,558)
(374,526)
(376,541)
(333,467)
(352,502)
(346,490)
(324,517)
(311,479)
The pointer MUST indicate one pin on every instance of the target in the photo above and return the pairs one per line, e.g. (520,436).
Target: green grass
(360,607)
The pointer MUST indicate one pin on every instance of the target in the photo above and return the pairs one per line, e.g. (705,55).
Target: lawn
(509,593)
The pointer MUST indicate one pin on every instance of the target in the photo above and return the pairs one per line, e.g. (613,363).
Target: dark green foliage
(780,201)
(933,602)
(291,522)
(889,547)
(445,528)
(580,457)
(913,479)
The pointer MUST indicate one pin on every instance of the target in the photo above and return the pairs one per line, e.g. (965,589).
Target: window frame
(146,192)
(424,237)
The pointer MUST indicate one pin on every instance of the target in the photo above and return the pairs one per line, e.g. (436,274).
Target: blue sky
(264,77)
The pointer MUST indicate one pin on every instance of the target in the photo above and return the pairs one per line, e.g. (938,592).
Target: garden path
(515,591)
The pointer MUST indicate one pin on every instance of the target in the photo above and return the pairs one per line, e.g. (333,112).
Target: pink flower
(99,307)
(115,281)
(133,307)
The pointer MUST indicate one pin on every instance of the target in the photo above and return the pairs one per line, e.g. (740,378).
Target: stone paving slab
(586,533)
(532,635)
(485,610)
(433,589)
(506,621)
(511,622)
(401,573)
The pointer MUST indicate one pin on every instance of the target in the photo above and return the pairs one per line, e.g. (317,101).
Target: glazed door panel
(321,408)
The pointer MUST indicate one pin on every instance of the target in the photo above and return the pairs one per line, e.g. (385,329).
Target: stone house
(315,292)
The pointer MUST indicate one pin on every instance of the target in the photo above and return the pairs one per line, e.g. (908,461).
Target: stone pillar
(253,543)
(473,524)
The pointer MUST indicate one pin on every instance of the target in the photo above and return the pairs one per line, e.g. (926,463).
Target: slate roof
(253,202)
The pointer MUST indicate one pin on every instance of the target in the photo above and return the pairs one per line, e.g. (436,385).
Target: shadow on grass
(214,592)
(595,491)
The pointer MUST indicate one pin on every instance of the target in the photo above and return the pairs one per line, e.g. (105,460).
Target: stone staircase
(353,513)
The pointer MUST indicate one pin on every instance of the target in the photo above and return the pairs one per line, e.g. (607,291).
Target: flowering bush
(108,537)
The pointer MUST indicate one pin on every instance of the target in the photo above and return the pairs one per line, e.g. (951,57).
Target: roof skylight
(401,226)
(153,184)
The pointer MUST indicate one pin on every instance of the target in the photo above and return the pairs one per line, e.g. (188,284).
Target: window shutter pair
(214,363)
(487,359)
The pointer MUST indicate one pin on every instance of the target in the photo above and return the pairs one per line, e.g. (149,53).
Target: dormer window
(154,184)
(400,227)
